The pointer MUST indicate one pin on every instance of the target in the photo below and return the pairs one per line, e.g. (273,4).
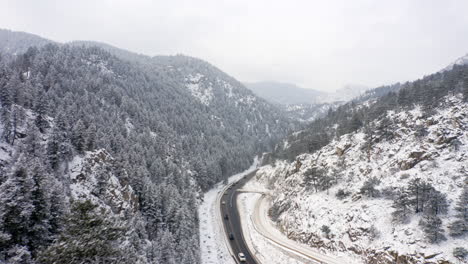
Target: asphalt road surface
(231,220)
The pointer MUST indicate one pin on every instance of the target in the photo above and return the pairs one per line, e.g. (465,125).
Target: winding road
(234,235)
(232,222)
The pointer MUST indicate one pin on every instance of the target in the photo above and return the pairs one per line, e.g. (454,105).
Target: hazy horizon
(323,45)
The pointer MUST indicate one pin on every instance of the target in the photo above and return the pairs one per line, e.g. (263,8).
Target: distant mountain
(14,42)
(309,112)
(291,94)
(460,61)
(303,104)
(285,93)
(348,92)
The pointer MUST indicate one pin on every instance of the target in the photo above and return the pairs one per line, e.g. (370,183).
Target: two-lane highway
(232,222)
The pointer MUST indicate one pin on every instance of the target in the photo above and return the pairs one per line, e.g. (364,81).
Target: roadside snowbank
(213,247)
(264,250)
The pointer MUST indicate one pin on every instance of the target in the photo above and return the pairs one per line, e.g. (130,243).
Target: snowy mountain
(285,93)
(127,140)
(383,179)
(309,112)
(302,104)
(291,94)
(348,92)
(14,42)
(460,61)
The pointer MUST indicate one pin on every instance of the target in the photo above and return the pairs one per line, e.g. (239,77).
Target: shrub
(341,194)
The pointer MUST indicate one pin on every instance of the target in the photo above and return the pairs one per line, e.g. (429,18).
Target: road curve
(264,227)
(232,223)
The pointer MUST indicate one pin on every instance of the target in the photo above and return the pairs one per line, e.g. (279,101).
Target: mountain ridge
(117,132)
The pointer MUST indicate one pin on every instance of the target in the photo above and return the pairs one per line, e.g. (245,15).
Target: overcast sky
(315,44)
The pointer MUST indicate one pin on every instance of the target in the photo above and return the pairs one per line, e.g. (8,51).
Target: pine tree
(53,145)
(436,203)
(419,190)
(88,236)
(326,182)
(355,123)
(166,242)
(19,255)
(312,178)
(78,137)
(6,93)
(368,141)
(91,137)
(32,143)
(16,207)
(403,98)
(465,89)
(5,120)
(459,227)
(432,227)
(41,112)
(39,229)
(17,116)
(368,188)
(402,206)
(460,253)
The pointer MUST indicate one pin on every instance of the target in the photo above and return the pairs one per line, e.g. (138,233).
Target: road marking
(232,195)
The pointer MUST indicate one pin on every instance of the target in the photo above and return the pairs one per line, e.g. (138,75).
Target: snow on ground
(264,250)
(354,219)
(93,171)
(199,90)
(213,246)
(275,253)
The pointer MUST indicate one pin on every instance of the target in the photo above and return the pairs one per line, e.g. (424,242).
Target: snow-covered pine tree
(459,227)
(402,205)
(16,208)
(41,112)
(78,138)
(432,227)
(88,236)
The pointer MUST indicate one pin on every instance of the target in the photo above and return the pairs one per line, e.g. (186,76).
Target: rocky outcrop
(94,177)
(413,159)
(340,151)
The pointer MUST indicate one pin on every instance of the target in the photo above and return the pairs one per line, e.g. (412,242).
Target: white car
(242,257)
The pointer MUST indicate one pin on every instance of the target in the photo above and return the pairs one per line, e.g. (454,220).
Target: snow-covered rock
(362,225)
(92,177)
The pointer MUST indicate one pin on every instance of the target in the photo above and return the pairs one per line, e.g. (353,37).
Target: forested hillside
(374,104)
(382,178)
(96,140)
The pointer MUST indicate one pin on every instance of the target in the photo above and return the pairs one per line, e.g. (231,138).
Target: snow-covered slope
(415,145)
(14,42)
(460,61)
(309,112)
(92,177)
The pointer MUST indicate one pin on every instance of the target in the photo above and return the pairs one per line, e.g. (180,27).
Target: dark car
(226,217)
(231,236)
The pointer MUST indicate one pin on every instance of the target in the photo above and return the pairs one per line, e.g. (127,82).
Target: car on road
(242,257)
(226,217)
(223,202)
(231,236)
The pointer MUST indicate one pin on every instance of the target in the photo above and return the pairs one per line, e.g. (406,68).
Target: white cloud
(317,44)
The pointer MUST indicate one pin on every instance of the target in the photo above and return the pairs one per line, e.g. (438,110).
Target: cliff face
(93,177)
